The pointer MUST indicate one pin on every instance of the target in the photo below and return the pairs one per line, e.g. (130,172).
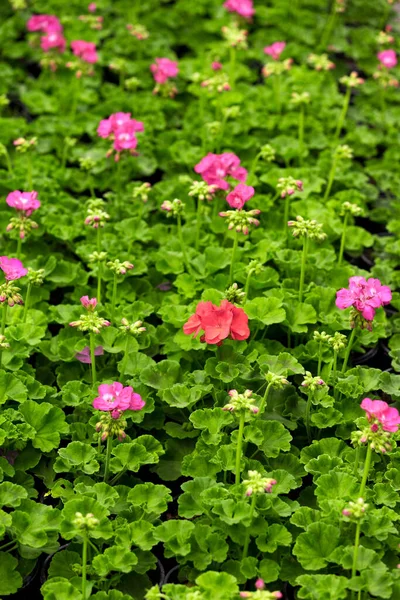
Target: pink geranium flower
(120,128)
(84,355)
(44,23)
(364,295)
(92,7)
(387,58)
(124,138)
(54,39)
(163,69)
(89,303)
(275,50)
(218,322)
(115,399)
(240,195)
(216,66)
(25,202)
(244,8)
(378,410)
(214,168)
(12,268)
(86,51)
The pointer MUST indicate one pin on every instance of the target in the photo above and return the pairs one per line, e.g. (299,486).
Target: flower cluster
(53,38)
(277,67)
(320,62)
(387,58)
(355,510)
(343,152)
(114,398)
(234,294)
(163,70)
(352,80)
(138,31)
(312,383)
(134,329)
(275,50)
(90,321)
(12,268)
(383,422)
(86,51)
(118,267)
(122,130)
(141,191)
(174,208)
(241,220)
(238,197)
(241,402)
(365,296)
(257,484)
(218,322)
(287,186)
(244,8)
(24,203)
(215,168)
(96,216)
(202,191)
(235,37)
(219,83)
(87,521)
(261,593)
(299,99)
(307,228)
(352,209)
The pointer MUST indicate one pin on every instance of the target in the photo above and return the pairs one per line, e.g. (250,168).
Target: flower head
(365,296)
(215,168)
(387,58)
(240,195)
(26,202)
(218,322)
(355,510)
(164,69)
(257,484)
(44,23)
(288,186)
(275,50)
(243,8)
(115,399)
(241,402)
(121,129)
(12,268)
(216,66)
(379,411)
(86,51)
(89,303)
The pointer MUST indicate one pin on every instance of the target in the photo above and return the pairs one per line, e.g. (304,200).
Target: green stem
(27,298)
(356,546)
(303,267)
(11,543)
(119,182)
(4,318)
(335,355)
(286,215)
(91,188)
(343,114)
(98,239)
(198,223)
(254,165)
(247,538)
(331,178)
(29,169)
(277,92)
(99,275)
(382,94)
(247,285)
(343,240)
(64,159)
(182,243)
(8,161)
(308,417)
(114,296)
(301,134)
(239,447)
(125,357)
(319,358)
(232,67)
(73,95)
(367,466)
(326,36)
(234,248)
(348,349)
(93,358)
(19,246)
(356,461)
(108,454)
(203,136)
(117,477)
(84,564)
(264,401)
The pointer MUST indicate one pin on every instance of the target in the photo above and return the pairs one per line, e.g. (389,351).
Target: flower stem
(286,215)
(232,67)
(84,564)
(308,417)
(335,355)
(99,268)
(19,246)
(198,223)
(119,182)
(27,298)
(114,296)
(108,454)
(247,285)
(303,267)
(343,240)
(264,401)
(348,349)
(367,466)
(356,461)
(247,538)
(326,36)
(343,114)
(29,170)
(4,319)
(234,248)
(181,241)
(277,93)
(73,95)
(254,165)
(301,134)
(239,447)
(355,555)
(125,357)
(319,358)
(93,358)
(8,161)
(331,178)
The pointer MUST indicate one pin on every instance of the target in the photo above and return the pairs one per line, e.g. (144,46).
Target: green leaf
(269,570)
(190,502)
(58,588)
(322,587)
(36,525)
(336,486)
(114,559)
(266,310)
(48,422)
(276,535)
(162,375)
(11,494)
(276,438)
(10,579)
(314,546)
(284,364)
(299,315)
(77,456)
(217,586)
(175,535)
(11,388)
(62,564)
(211,421)
(131,456)
(151,498)
(138,533)
(85,505)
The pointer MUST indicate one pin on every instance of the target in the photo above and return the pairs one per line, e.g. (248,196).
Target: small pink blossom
(387,58)
(379,410)
(260,584)
(92,7)
(240,195)
(12,268)
(216,66)
(275,50)
(214,168)
(25,202)
(53,40)
(244,8)
(86,51)
(89,303)
(163,69)
(84,355)
(364,295)
(44,23)
(115,398)
(124,138)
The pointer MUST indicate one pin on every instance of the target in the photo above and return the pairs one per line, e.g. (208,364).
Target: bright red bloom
(379,410)
(218,322)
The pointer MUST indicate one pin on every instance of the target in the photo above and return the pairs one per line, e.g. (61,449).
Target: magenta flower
(89,303)
(216,66)
(244,8)
(115,399)
(364,295)
(275,50)
(86,51)
(387,58)
(12,268)
(26,202)
(84,355)
(122,129)
(92,7)
(163,69)
(240,195)
(53,40)
(44,23)
(214,168)
(377,410)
